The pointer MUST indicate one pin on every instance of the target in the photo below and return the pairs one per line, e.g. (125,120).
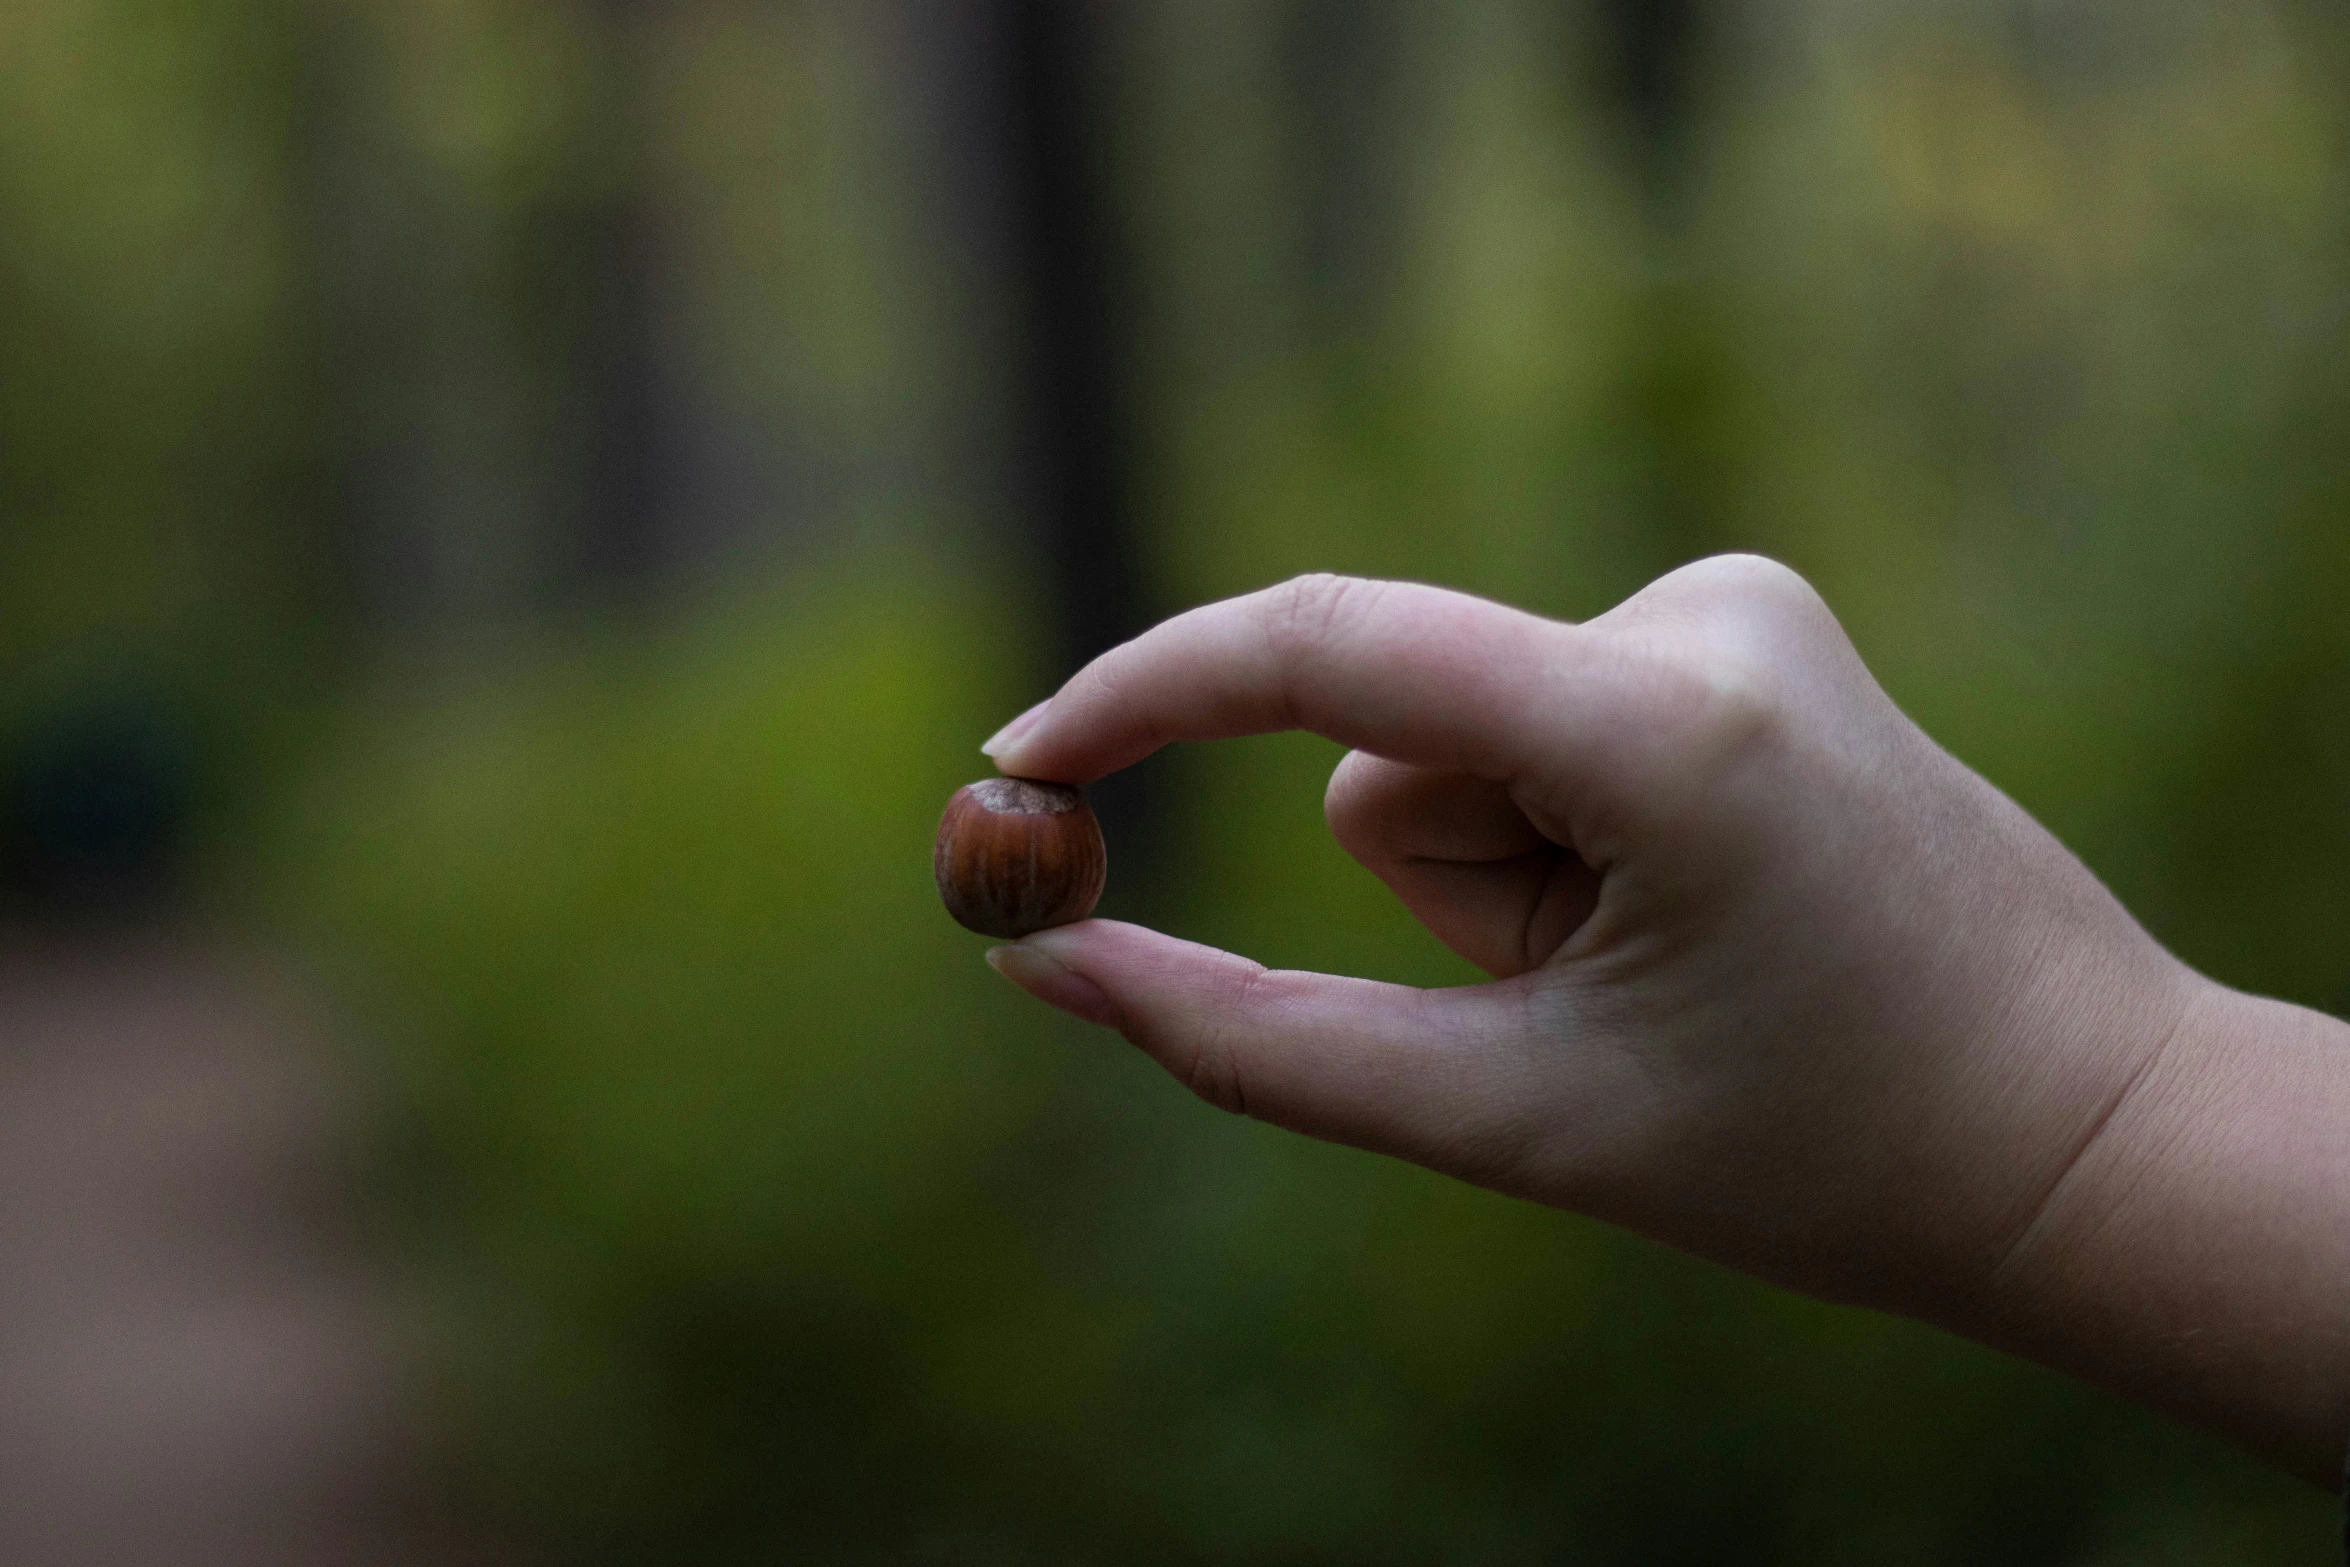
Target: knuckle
(1215,1077)
(1767,598)
(1721,698)
(1755,574)
(1753,590)
(1213,1066)
(1300,619)
(1723,666)
(1347,803)
(1303,613)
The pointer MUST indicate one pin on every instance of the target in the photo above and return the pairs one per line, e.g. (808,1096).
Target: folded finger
(1464,857)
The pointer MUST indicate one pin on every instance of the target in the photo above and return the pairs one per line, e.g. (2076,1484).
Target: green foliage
(152,439)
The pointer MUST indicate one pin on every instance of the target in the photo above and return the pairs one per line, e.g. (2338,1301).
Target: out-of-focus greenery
(761,1221)
(152,429)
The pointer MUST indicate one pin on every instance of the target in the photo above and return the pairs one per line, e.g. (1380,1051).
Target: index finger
(1405,671)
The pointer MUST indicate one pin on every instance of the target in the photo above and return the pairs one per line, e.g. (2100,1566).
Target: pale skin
(1776,980)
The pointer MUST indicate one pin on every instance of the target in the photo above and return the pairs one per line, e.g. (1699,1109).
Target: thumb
(1440,1077)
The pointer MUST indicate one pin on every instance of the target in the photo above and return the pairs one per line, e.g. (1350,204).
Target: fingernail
(1003,738)
(1052,984)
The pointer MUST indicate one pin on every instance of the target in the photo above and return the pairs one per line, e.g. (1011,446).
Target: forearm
(2197,1256)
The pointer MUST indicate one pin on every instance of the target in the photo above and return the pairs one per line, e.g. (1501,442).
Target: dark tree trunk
(1650,54)
(621,555)
(1078,373)
(1341,59)
(1670,403)
(1076,421)
(626,480)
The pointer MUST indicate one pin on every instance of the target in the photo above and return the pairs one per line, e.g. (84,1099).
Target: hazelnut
(1015,855)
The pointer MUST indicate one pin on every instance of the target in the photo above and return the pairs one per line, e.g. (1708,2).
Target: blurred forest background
(530,505)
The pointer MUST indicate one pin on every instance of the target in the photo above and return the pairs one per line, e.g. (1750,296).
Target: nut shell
(1017,855)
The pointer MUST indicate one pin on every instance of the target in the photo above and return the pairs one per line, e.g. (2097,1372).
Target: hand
(1777,980)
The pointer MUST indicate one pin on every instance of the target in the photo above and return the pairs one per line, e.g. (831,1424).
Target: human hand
(1777,980)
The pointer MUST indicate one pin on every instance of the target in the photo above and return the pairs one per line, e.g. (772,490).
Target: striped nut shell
(1017,855)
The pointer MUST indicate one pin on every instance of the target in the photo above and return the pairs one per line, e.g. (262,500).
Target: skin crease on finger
(1805,996)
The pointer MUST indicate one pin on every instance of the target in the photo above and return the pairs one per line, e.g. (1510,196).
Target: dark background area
(522,511)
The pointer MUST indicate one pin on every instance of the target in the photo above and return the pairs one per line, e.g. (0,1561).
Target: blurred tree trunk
(620,552)
(1072,304)
(1076,421)
(436,473)
(496,426)
(1650,51)
(1341,60)
(1671,403)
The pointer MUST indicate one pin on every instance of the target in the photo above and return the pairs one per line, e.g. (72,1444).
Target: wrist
(2195,1254)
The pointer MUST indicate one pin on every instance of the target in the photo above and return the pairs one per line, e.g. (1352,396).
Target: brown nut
(1015,855)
